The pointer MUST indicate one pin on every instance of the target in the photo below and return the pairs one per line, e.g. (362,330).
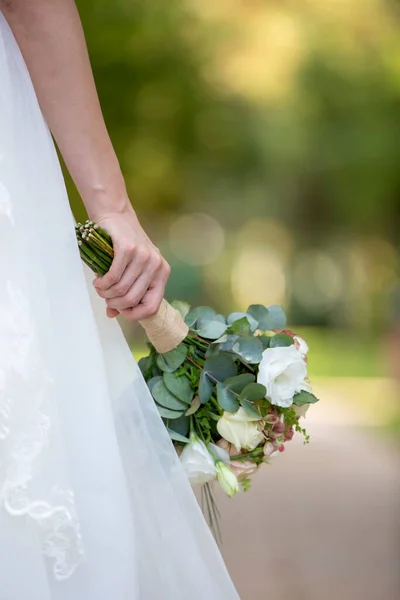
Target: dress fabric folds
(94,504)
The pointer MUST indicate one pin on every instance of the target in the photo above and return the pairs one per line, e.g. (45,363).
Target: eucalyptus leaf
(205,388)
(236,316)
(201,321)
(220,367)
(167,413)
(144,364)
(197,313)
(171,361)
(240,327)
(227,344)
(250,349)
(269,318)
(249,408)
(177,437)
(304,398)
(238,383)
(211,330)
(212,350)
(179,386)
(226,399)
(260,313)
(180,425)
(277,317)
(182,307)
(253,392)
(151,383)
(265,340)
(163,396)
(281,340)
(194,407)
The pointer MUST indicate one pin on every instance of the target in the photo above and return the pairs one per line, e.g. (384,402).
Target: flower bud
(227,479)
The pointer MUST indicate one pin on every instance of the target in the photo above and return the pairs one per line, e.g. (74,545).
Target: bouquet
(230,390)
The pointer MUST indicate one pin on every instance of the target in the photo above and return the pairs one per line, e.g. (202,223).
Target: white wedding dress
(94,504)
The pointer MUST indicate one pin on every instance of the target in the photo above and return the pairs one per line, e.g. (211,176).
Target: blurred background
(260,142)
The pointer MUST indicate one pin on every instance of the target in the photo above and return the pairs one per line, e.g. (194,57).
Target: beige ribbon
(165,330)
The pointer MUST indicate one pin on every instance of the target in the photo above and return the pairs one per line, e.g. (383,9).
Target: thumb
(111,312)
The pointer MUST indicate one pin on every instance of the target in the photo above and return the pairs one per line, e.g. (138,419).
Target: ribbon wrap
(166,329)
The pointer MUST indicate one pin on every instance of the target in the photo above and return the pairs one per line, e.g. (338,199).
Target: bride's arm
(50,36)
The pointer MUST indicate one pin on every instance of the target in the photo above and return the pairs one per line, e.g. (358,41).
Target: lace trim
(25,440)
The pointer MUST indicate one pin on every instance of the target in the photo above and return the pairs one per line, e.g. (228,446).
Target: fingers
(139,287)
(122,257)
(152,299)
(111,312)
(149,305)
(129,276)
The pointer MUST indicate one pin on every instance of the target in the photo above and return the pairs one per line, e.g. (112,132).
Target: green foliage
(304,398)
(171,361)
(179,386)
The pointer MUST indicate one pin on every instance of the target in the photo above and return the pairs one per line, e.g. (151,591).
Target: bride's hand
(134,286)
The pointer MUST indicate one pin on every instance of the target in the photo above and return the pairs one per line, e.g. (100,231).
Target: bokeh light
(196,239)
(258,277)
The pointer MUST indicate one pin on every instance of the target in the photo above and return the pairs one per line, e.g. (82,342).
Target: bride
(94,504)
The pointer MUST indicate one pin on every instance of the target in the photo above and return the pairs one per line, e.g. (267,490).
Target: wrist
(102,202)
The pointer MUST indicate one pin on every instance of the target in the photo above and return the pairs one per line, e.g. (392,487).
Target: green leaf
(253,392)
(212,350)
(277,317)
(163,397)
(269,318)
(304,398)
(207,318)
(171,361)
(181,425)
(152,382)
(194,407)
(144,364)
(240,327)
(226,399)
(205,388)
(265,340)
(197,313)
(260,313)
(182,307)
(238,383)
(281,340)
(228,342)
(250,349)
(249,408)
(167,413)
(220,367)
(211,330)
(236,316)
(177,437)
(179,386)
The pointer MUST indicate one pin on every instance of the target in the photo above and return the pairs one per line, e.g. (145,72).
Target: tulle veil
(94,504)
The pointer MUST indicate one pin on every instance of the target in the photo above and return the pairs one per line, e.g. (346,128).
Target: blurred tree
(273,110)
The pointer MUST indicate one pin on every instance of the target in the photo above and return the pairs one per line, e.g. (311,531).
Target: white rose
(197,462)
(301,345)
(240,429)
(283,372)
